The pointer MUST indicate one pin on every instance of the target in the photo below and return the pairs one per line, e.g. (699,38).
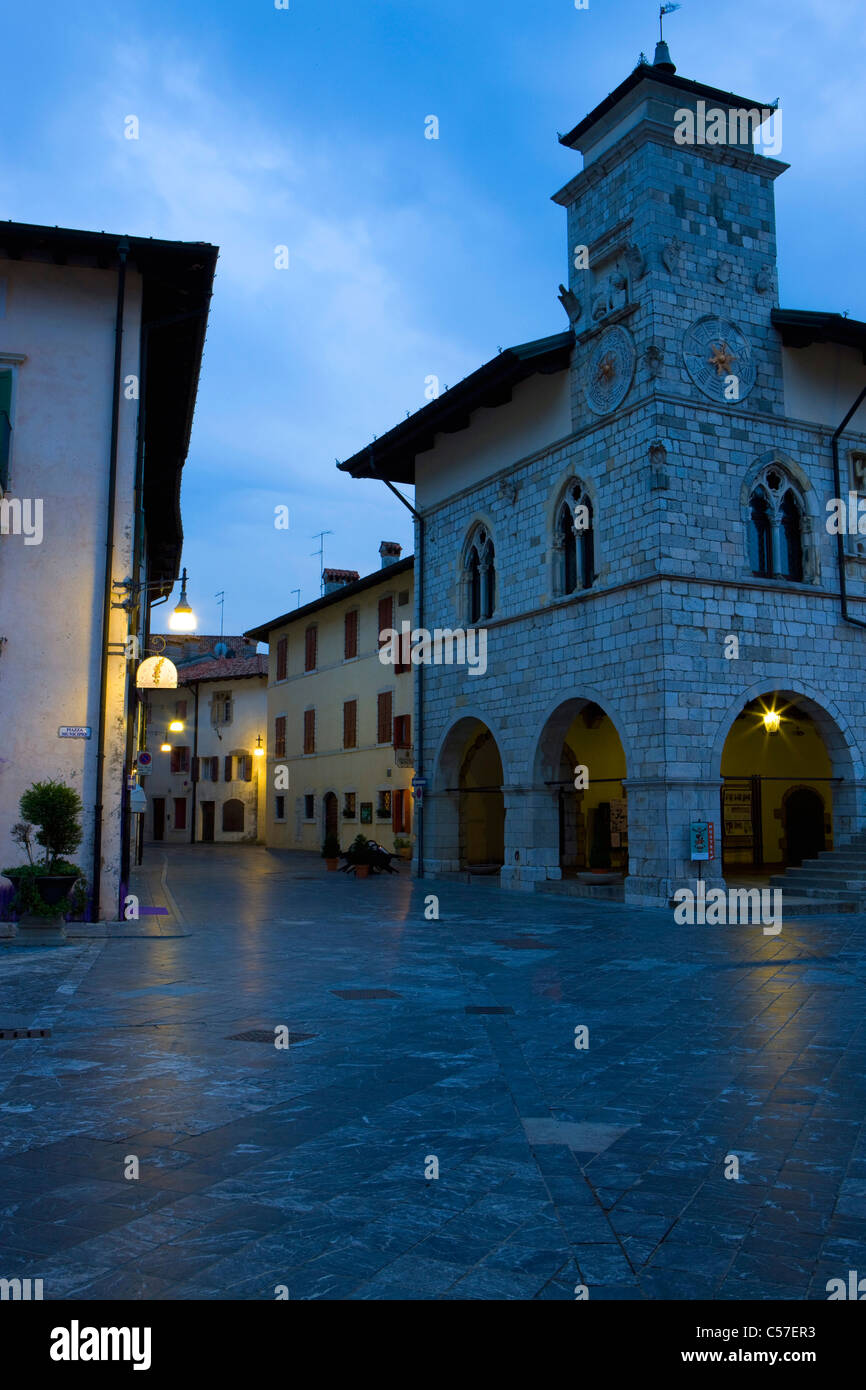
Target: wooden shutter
(180,813)
(282,658)
(350,724)
(196,769)
(350,634)
(311,642)
(227,767)
(280,736)
(383,721)
(214,769)
(386,617)
(309,731)
(400,811)
(402,726)
(246,767)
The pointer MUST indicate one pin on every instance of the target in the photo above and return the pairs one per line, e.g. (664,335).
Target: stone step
(834,878)
(814,883)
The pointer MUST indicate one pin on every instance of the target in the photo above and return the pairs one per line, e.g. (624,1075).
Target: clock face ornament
(609,369)
(718,358)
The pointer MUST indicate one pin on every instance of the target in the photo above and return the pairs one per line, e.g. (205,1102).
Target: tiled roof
(226,668)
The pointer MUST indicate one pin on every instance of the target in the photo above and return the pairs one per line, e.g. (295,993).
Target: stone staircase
(836,878)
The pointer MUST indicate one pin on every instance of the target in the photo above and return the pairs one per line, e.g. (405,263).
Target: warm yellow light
(259,752)
(183,619)
(176,726)
(772,720)
(165,748)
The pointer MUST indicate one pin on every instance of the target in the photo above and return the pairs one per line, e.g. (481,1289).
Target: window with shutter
(386,617)
(280,736)
(311,642)
(309,731)
(383,721)
(180,813)
(227,767)
(196,769)
(214,769)
(400,811)
(350,635)
(180,709)
(282,658)
(350,724)
(402,731)
(246,767)
(180,760)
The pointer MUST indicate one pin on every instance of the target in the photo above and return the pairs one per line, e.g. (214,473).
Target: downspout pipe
(419,711)
(132,698)
(840,544)
(123,252)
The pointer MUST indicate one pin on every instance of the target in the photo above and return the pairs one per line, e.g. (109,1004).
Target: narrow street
(414,1040)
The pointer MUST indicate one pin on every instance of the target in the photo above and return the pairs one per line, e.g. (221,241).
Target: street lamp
(176,726)
(772,721)
(183,619)
(258,751)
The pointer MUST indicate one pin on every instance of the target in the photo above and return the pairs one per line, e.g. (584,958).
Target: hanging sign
(702,838)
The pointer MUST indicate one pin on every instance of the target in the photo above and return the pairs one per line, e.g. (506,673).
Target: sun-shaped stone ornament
(608,370)
(718,358)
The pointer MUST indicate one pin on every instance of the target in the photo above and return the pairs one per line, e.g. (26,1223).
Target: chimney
(332,580)
(390,552)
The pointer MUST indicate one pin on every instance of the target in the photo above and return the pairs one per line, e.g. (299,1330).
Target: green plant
(331,847)
(27,896)
(55,810)
(360,851)
(401,842)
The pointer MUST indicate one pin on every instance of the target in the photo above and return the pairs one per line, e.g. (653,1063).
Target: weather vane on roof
(663,10)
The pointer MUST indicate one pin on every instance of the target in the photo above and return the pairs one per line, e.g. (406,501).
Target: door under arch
(804,825)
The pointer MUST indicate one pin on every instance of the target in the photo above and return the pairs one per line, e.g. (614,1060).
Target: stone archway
(773,743)
(465,806)
(576,819)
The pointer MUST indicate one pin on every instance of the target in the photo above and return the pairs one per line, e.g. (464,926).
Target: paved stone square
(415,1040)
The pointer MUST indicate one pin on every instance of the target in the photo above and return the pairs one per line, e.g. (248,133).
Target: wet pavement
(417,1046)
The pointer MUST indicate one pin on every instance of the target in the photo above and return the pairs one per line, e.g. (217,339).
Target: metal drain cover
(366,994)
(263,1036)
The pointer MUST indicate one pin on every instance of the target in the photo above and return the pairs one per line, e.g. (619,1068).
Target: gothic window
(777,527)
(480,576)
(573,542)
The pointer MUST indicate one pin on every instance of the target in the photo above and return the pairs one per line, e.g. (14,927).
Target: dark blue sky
(408,257)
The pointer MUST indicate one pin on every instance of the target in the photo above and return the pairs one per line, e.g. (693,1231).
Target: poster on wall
(737,803)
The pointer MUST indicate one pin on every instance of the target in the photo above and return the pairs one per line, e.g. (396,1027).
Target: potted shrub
(361,855)
(331,853)
(51,814)
(402,847)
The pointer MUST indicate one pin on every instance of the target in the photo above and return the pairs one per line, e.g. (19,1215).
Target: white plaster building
(635,510)
(93,327)
(211,785)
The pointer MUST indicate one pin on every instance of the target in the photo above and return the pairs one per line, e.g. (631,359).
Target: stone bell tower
(676,371)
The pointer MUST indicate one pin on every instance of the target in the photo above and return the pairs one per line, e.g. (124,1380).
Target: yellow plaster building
(339,720)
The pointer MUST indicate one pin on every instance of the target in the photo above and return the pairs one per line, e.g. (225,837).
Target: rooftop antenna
(298,592)
(221,600)
(321,554)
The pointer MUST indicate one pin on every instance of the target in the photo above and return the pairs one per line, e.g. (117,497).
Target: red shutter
(309,731)
(280,736)
(383,721)
(386,617)
(350,635)
(350,724)
(310,649)
(282,658)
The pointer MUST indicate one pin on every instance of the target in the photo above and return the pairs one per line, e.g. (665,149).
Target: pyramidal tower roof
(652,91)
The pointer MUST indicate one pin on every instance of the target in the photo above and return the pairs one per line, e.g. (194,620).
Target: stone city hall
(697,641)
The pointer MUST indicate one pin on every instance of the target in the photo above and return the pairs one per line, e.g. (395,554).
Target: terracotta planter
(362,870)
(332,865)
(34,930)
(405,853)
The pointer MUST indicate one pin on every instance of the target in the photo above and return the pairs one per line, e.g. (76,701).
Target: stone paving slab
(313,1165)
